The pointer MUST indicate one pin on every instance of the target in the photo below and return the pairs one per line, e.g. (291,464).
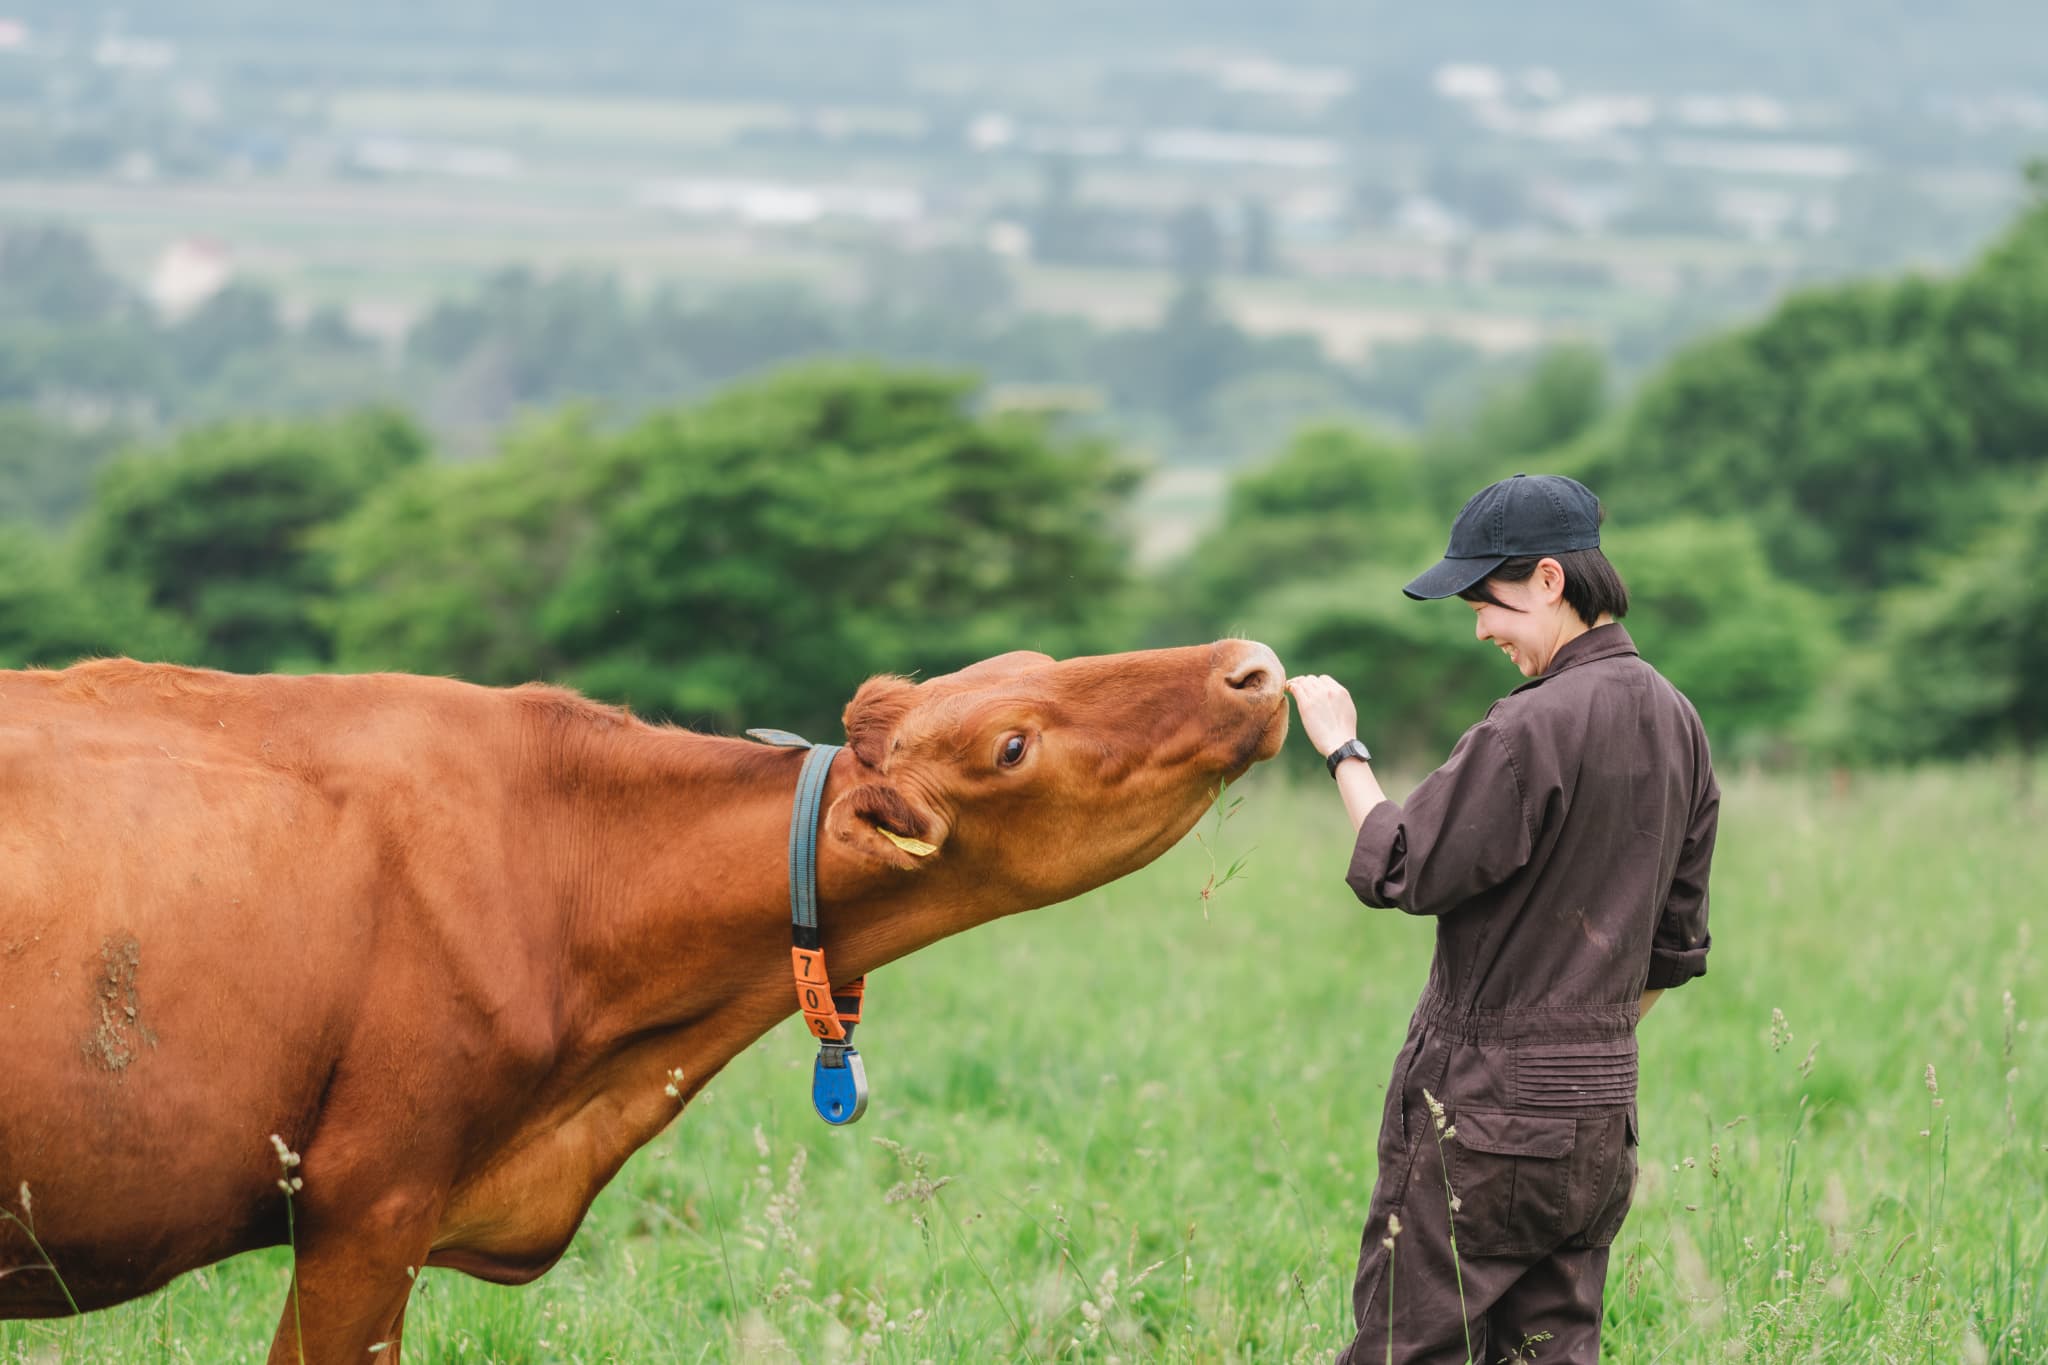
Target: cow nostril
(1252,670)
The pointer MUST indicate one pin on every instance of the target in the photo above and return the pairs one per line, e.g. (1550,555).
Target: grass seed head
(1781,1030)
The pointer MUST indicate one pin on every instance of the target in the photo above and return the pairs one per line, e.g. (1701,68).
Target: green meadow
(1139,1127)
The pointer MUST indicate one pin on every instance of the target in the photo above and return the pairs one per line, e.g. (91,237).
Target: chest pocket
(1594,1074)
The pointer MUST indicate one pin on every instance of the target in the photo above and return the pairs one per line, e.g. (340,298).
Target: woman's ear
(876,823)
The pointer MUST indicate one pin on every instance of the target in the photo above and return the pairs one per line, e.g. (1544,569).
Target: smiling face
(1530,620)
(1036,779)
(1512,626)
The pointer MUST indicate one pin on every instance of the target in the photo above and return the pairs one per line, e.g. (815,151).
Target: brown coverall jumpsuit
(1564,849)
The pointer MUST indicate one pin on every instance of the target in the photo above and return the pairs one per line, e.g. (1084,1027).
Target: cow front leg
(354,1278)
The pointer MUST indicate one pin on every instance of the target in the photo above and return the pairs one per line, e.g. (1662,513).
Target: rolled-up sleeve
(1678,952)
(1465,829)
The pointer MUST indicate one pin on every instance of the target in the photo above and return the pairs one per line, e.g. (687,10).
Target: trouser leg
(1409,1305)
(1430,1304)
(1551,1315)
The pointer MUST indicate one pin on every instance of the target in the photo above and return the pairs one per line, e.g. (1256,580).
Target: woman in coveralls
(1563,850)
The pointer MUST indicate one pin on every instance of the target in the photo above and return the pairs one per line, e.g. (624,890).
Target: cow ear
(875,822)
(874,713)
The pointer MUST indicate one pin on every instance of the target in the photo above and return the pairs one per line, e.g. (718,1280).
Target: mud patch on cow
(121,1033)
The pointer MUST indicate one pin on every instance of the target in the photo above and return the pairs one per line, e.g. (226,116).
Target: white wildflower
(286,1157)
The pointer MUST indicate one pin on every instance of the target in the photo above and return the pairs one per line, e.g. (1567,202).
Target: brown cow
(449,941)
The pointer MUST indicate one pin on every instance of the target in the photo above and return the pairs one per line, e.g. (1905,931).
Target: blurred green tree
(47,467)
(1962,662)
(778,544)
(752,559)
(54,274)
(219,531)
(240,319)
(1831,427)
(50,617)
(1335,497)
(1884,463)
(1514,425)
(1748,648)
(1858,427)
(1991,341)
(444,569)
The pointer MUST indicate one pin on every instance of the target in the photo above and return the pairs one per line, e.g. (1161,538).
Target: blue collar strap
(839,1082)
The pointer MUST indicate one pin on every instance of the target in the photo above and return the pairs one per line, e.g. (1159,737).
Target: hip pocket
(1511,1174)
(1599,1073)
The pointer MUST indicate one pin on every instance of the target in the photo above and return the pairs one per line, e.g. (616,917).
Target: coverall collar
(1601,642)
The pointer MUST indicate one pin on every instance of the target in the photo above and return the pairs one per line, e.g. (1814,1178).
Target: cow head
(1031,779)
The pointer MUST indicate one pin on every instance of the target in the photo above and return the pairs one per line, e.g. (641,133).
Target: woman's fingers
(1328,716)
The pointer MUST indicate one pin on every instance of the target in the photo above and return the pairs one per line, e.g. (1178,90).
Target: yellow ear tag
(917,848)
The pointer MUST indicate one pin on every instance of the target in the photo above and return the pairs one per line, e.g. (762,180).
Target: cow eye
(1013,750)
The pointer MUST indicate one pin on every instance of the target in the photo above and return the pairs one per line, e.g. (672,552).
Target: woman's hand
(1328,715)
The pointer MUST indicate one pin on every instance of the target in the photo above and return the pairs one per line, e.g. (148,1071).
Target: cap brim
(1449,577)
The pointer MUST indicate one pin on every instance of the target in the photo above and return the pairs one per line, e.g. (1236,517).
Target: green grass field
(1124,1130)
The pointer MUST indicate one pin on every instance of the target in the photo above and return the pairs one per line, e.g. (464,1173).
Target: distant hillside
(1869,51)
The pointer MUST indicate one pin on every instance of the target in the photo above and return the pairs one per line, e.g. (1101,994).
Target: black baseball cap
(1530,514)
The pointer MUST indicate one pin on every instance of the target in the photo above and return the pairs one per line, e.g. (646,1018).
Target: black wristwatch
(1350,748)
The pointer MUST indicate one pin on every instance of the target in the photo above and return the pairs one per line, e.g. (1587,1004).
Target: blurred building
(188,273)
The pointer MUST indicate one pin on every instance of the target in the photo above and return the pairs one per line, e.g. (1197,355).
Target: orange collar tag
(814,995)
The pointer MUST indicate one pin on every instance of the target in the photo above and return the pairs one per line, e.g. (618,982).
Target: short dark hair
(1591,584)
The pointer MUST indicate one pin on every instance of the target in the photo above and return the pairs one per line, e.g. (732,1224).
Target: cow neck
(669,852)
